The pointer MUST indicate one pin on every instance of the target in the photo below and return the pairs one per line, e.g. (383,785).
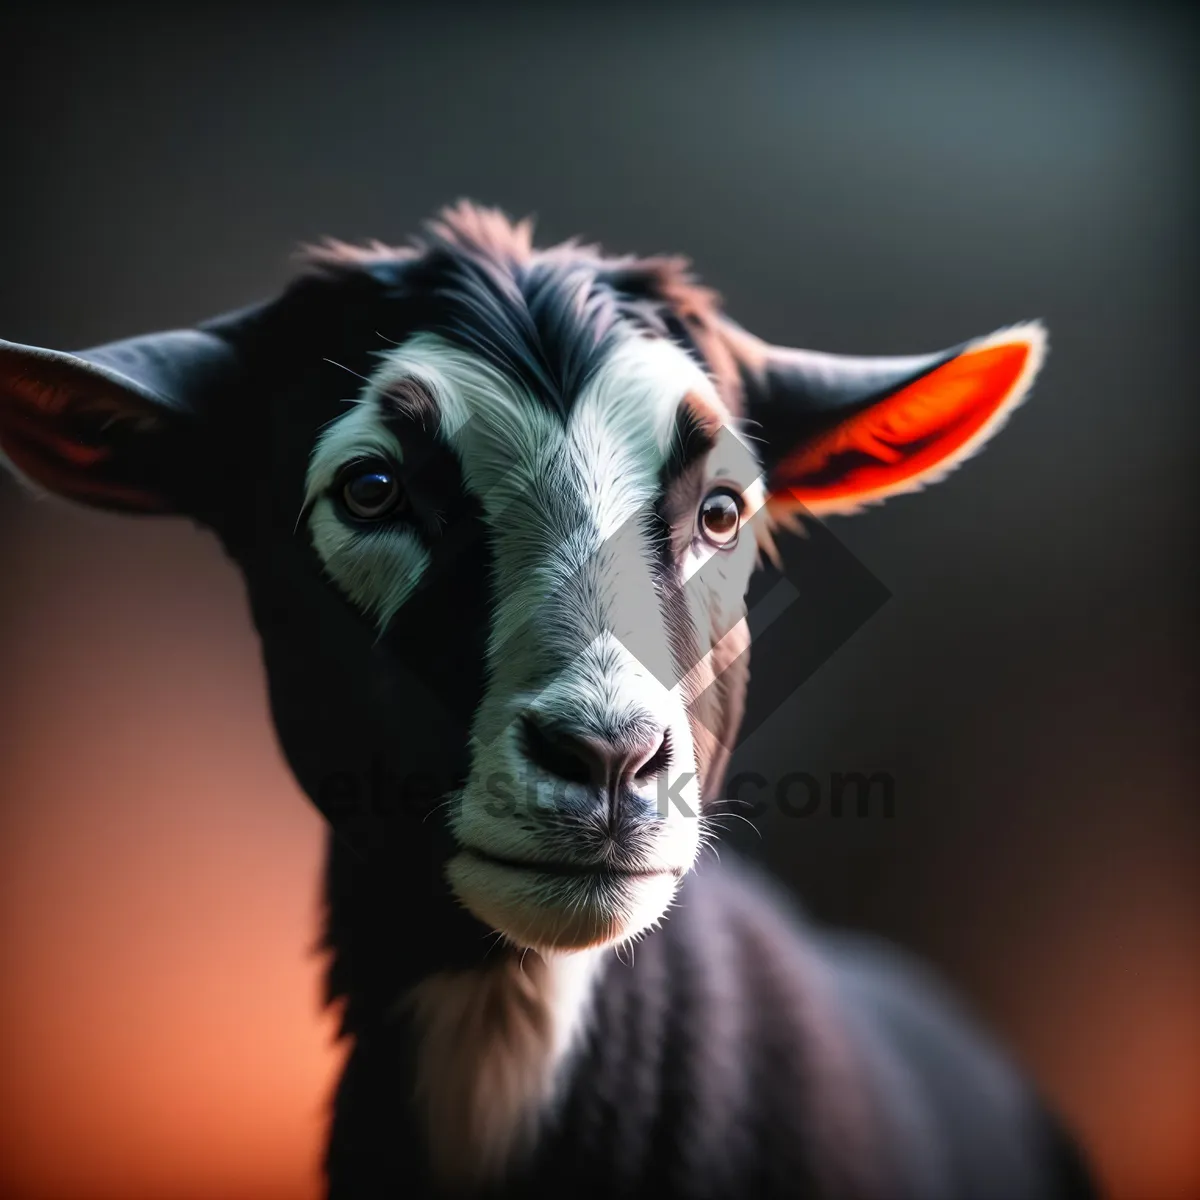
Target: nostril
(658,761)
(558,753)
(600,762)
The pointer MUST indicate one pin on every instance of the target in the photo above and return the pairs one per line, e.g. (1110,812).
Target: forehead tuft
(547,319)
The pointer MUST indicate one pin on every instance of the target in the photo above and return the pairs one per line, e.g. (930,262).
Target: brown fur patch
(411,398)
(731,674)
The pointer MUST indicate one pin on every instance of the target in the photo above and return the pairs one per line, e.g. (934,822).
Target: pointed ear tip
(1032,334)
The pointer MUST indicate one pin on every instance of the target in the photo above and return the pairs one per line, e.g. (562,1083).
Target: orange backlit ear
(915,435)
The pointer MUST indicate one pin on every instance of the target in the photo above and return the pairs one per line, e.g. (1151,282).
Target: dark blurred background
(877,181)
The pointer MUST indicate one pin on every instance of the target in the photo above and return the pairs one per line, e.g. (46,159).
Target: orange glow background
(886,181)
(162,1035)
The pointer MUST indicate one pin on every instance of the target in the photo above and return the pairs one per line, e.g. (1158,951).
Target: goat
(497,509)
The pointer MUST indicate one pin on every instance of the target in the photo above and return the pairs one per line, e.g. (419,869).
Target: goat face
(529,505)
(617,563)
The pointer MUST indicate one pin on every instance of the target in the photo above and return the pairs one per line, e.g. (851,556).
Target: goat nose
(602,762)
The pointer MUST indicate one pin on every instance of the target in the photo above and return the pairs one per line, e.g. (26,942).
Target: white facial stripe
(506,439)
(536,479)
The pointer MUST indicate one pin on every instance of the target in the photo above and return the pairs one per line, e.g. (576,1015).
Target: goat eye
(720,518)
(371,493)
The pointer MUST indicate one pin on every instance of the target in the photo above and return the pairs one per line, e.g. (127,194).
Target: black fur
(739,1053)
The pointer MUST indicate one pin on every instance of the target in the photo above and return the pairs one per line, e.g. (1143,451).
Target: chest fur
(492,1045)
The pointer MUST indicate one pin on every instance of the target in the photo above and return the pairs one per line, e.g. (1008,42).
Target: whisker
(348,370)
(736,817)
(450,799)
(497,938)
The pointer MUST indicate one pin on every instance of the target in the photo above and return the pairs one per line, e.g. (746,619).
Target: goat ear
(844,432)
(108,427)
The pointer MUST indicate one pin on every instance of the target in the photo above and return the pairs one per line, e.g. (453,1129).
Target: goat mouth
(561,906)
(570,870)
